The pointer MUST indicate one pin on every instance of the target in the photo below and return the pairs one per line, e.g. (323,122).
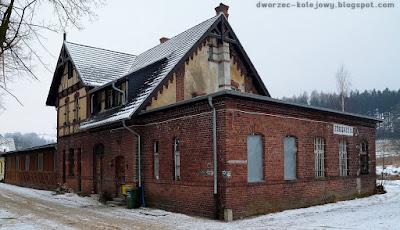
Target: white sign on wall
(343,130)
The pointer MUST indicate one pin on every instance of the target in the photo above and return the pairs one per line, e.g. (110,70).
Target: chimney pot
(163,39)
(222,8)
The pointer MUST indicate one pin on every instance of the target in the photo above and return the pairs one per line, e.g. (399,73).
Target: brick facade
(237,116)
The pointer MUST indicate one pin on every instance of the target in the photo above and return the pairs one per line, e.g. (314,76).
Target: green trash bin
(131,194)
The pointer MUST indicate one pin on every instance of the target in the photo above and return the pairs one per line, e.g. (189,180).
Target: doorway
(98,168)
(79,172)
(119,174)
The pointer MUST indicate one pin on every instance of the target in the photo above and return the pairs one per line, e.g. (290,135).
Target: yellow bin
(124,187)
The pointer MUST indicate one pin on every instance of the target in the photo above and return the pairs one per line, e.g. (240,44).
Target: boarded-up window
(254,158)
(156,160)
(40,162)
(343,158)
(27,161)
(290,152)
(319,157)
(9,163)
(364,158)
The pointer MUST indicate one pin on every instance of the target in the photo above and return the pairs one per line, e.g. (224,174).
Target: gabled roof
(172,54)
(174,49)
(97,66)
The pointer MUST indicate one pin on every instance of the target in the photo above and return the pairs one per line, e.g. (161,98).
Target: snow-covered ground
(389,170)
(24,208)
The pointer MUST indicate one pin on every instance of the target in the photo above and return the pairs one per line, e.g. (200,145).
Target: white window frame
(319,154)
(156,161)
(343,158)
(364,152)
(177,159)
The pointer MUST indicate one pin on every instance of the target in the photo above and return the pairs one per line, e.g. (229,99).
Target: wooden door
(98,166)
(99,174)
(119,174)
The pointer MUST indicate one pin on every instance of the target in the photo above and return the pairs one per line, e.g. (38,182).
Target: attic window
(70,70)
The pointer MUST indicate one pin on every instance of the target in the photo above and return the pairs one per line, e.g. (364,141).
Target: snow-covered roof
(97,66)
(173,50)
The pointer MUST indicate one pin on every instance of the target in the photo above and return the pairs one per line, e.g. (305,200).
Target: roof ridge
(169,40)
(100,48)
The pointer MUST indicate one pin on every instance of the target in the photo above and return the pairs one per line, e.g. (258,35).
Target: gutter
(215,157)
(139,165)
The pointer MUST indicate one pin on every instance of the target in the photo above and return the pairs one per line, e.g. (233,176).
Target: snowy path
(23,208)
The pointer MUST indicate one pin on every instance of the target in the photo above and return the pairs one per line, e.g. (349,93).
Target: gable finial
(222,8)
(65,36)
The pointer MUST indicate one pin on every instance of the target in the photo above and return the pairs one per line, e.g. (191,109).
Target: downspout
(139,165)
(91,103)
(215,158)
(123,93)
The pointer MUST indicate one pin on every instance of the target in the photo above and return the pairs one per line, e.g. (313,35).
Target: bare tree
(343,84)
(22,29)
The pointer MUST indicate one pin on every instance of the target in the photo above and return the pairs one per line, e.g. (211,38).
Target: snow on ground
(389,170)
(374,212)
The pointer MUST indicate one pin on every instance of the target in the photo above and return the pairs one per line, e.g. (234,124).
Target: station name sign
(342,130)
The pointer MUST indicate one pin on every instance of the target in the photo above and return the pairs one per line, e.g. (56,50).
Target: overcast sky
(293,49)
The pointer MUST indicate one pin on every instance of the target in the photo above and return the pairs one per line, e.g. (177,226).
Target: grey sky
(293,49)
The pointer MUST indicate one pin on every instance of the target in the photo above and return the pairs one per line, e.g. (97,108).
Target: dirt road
(30,211)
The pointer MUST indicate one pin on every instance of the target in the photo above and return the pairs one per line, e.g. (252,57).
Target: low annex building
(192,124)
(34,167)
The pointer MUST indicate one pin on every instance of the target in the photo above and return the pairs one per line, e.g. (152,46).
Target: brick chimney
(222,8)
(163,39)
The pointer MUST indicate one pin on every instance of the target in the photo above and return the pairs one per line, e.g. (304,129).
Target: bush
(105,196)
(379,189)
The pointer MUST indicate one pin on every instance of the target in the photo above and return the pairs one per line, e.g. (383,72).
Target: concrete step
(95,196)
(119,199)
(113,203)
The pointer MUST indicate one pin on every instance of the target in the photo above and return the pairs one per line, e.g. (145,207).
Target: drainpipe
(91,103)
(123,93)
(215,157)
(139,165)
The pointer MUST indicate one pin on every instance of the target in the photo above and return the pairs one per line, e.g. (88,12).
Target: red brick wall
(192,123)
(244,117)
(118,142)
(193,193)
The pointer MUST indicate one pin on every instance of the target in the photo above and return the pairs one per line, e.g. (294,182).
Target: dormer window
(109,99)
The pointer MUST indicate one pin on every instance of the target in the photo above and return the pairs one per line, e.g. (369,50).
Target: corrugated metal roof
(173,50)
(97,66)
